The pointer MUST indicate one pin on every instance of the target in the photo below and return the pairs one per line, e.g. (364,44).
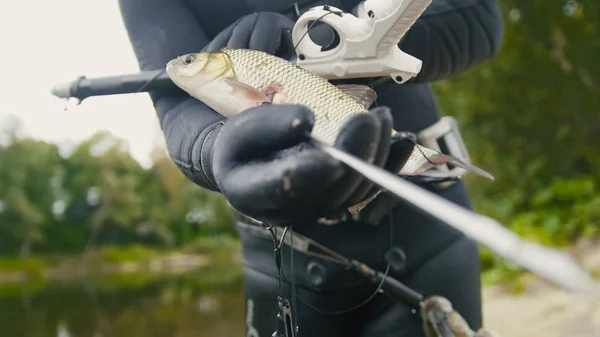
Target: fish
(441,320)
(232,80)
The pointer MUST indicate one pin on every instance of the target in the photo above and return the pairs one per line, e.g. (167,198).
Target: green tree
(530,116)
(97,195)
(190,209)
(101,172)
(28,169)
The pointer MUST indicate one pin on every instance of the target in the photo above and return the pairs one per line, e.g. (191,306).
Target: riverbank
(542,310)
(217,250)
(106,261)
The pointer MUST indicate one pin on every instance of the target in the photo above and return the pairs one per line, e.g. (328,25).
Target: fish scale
(331,106)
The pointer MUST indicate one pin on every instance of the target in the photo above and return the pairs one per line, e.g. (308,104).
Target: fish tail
(435,158)
(459,163)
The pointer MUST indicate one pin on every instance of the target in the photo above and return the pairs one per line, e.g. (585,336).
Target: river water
(206,303)
(209,302)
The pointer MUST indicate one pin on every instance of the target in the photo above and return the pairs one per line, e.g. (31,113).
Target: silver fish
(232,80)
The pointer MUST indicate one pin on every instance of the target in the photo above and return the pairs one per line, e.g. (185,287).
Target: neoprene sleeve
(452,36)
(160,30)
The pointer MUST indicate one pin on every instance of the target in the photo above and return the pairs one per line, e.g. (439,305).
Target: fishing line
(368,299)
(294,302)
(414,142)
(143,86)
(278,250)
(310,27)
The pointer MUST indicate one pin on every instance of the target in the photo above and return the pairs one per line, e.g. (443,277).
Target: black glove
(266,167)
(265,31)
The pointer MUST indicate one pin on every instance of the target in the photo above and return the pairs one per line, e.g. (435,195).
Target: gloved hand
(266,31)
(266,168)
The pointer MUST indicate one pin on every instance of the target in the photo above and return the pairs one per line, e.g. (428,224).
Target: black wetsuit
(450,37)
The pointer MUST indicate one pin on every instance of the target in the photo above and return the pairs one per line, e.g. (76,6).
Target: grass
(133,253)
(212,245)
(219,250)
(30,265)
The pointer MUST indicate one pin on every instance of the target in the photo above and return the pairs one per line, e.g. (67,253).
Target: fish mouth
(170,67)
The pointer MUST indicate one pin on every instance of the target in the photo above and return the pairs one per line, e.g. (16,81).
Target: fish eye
(188,59)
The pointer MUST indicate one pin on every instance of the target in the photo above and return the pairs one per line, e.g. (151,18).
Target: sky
(45,42)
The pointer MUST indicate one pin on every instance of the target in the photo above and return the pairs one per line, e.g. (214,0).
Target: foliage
(530,116)
(221,248)
(134,253)
(31,265)
(26,193)
(99,195)
(203,245)
(133,263)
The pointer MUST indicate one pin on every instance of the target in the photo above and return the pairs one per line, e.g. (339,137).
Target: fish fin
(428,158)
(275,94)
(247,92)
(468,167)
(360,93)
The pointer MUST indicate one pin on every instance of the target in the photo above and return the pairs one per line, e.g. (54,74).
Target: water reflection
(202,304)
